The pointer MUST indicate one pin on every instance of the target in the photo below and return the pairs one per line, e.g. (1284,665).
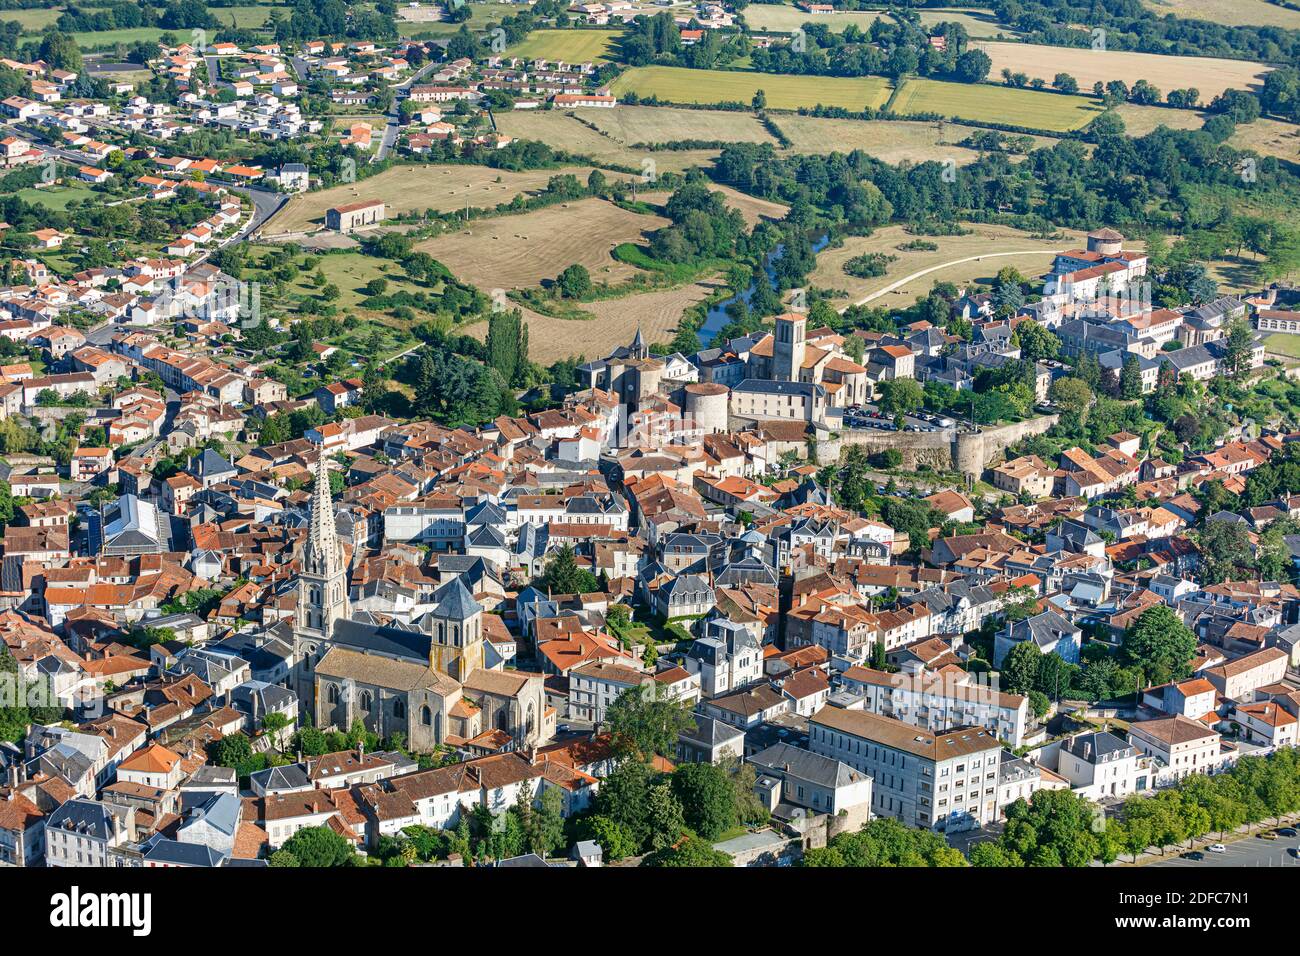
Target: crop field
(983,103)
(979,24)
(515,252)
(1210,75)
(563,131)
(751,207)
(784,18)
(1269,138)
(614,323)
(894,141)
(1140,120)
(681,85)
(406,188)
(33,21)
(1233,13)
(666,124)
(572,46)
(1034,256)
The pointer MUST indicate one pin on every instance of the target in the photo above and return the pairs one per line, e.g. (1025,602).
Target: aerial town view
(649,434)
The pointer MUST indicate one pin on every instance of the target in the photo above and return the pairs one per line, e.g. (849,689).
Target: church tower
(788,348)
(322,585)
(456,648)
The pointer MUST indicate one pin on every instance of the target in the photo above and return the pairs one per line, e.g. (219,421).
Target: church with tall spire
(423,677)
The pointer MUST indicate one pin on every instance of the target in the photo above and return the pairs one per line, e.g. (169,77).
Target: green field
(680,85)
(56,197)
(571,46)
(93,40)
(1283,343)
(33,21)
(985,103)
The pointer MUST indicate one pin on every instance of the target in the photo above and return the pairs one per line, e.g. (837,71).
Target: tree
(646,720)
(319,847)
(574,282)
(973,66)
(1074,398)
(885,842)
(1159,643)
(901,396)
(507,345)
(1036,342)
(275,724)
(624,798)
(1020,667)
(563,576)
(759,102)
(707,798)
(1225,551)
(690,852)
(667,821)
(616,840)
(1130,378)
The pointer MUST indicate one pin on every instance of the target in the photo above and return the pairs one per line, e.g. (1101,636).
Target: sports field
(985,103)
(681,85)
(1210,75)
(571,46)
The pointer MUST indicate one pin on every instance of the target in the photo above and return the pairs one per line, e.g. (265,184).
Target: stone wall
(948,449)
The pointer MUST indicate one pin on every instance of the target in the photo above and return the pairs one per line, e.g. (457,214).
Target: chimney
(361,751)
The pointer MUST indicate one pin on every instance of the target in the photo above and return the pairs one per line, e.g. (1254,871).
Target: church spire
(324,554)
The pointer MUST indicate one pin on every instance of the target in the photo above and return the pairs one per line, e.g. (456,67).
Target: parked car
(1217,848)
(1267,835)
(1287,831)
(1194,855)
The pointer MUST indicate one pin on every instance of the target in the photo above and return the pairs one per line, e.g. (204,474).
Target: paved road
(299,68)
(214,70)
(944,265)
(389,138)
(1251,851)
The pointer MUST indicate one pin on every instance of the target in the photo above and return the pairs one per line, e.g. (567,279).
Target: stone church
(425,679)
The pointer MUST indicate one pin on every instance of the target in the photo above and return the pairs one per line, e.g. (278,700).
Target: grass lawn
(572,46)
(350,271)
(33,21)
(784,18)
(55,197)
(681,85)
(1283,343)
(985,103)
(93,40)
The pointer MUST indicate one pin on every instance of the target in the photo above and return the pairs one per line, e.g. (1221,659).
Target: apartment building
(944,782)
(939,702)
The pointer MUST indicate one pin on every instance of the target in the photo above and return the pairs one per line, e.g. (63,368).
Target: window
(426,715)
(399,708)
(333,694)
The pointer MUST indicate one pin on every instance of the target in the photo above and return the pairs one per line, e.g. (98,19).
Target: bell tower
(322,585)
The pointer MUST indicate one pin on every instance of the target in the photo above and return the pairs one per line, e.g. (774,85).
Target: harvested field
(681,85)
(985,103)
(1233,13)
(563,131)
(665,124)
(406,188)
(983,239)
(783,18)
(1269,138)
(1140,120)
(515,252)
(572,46)
(615,323)
(1210,75)
(751,207)
(894,141)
